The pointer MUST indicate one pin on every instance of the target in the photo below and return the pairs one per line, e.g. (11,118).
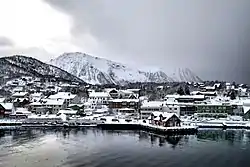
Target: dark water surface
(93,147)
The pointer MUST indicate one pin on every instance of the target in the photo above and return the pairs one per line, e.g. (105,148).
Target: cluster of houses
(48,97)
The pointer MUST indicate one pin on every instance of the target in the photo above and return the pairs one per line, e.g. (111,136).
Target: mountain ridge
(95,70)
(19,65)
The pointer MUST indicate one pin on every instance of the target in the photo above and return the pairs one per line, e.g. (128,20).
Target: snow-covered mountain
(16,66)
(96,70)
(184,75)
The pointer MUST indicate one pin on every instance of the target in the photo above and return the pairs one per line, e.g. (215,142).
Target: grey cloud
(5,42)
(210,37)
(38,53)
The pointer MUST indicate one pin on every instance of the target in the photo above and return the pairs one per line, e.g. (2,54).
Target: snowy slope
(16,66)
(184,75)
(96,70)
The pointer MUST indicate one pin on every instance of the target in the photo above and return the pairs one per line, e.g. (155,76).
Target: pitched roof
(152,104)
(7,106)
(124,100)
(166,116)
(99,94)
(19,94)
(62,95)
(50,102)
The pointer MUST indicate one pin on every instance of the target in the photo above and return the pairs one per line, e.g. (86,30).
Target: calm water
(92,148)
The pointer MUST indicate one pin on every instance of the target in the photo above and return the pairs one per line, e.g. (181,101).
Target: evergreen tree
(187,91)
(233,95)
(180,91)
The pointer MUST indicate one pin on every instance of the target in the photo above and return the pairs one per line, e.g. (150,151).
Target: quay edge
(155,129)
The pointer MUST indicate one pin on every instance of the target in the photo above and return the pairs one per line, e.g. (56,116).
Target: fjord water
(97,148)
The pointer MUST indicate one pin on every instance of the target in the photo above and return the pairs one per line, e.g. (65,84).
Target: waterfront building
(214,109)
(164,119)
(47,106)
(46,118)
(116,104)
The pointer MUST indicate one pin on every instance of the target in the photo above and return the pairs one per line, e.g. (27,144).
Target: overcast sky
(211,37)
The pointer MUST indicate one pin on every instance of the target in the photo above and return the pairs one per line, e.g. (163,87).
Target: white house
(67,96)
(48,105)
(36,97)
(20,95)
(97,99)
(151,106)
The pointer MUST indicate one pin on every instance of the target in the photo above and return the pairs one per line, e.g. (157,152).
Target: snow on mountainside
(96,70)
(184,75)
(16,66)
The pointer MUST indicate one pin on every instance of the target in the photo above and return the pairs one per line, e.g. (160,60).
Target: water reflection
(160,140)
(95,147)
(231,136)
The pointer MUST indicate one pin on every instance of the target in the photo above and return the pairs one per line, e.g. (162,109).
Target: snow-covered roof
(79,105)
(165,115)
(217,84)
(237,102)
(36,94)
(210,87)
(87,104)
(171,96)
(7,106)
(134,90)
(67,111)
(17,89)
(20,99)
(246,102)
(110,89)
(185,96)
(152,104)
(23,111)
(50,116)
(191,97)
(126,109)
(124,100)
(48,102)
(62,95)
(143,98)
(2,99)
(99,94)
(208,93)
(246,109)
(20,94)
(126,92)
(194,92)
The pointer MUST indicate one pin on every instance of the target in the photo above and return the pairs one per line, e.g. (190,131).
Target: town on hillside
(51,101)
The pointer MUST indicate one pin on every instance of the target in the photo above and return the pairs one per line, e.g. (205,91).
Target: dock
(182,130)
